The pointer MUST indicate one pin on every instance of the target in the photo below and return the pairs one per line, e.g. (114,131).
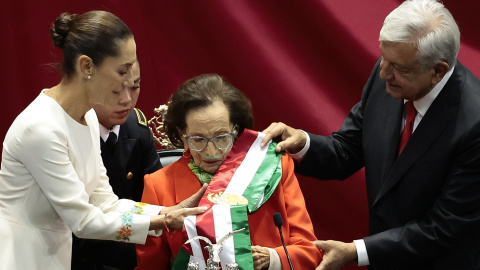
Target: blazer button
(129,175)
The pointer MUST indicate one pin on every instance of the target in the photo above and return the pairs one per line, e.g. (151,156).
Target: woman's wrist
(157,222)
(170,231)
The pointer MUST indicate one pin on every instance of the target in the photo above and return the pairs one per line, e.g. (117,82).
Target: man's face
(116,112)
(404,75)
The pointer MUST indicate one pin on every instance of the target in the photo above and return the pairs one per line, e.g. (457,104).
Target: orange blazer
(176,182)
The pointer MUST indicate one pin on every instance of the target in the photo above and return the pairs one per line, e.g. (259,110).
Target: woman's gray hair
(427,24)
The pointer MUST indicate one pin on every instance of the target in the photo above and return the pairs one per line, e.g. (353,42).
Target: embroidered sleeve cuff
(275,262)
(361,252)
(134,228)
(151,210)
(298,157)
(144,211)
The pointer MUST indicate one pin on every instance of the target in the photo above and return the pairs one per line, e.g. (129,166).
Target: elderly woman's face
(208,122)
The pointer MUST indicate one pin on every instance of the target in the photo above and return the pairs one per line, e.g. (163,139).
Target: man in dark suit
(422,162)
(131,157)
(128,153)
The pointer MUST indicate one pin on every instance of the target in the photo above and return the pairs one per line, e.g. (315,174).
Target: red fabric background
(300,62)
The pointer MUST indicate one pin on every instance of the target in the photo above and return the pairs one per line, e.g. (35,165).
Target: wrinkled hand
(261,257)
(291,140)
(336,254)
(175,218)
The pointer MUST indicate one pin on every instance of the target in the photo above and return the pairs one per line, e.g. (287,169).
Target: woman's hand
(189,202)
(174,219)
(261,258)
(193,200)
(174,215)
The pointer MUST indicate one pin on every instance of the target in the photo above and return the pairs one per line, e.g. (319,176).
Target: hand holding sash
(175,218)
(290,139)
(177,213)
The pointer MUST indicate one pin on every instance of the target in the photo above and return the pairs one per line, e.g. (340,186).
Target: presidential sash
(243,183)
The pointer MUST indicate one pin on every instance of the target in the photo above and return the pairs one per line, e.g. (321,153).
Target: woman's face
(208,122)
(112,80)
(116,114)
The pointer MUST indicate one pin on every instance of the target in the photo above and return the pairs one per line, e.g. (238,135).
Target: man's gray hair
(427,24)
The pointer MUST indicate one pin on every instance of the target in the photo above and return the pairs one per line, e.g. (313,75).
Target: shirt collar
(424,103)
(104,132)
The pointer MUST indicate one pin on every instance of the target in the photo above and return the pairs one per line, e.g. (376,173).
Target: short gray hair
(427,24)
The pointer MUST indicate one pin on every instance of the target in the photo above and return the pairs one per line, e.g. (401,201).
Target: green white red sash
(248,171)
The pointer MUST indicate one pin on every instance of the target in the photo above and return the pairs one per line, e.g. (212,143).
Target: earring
(188,156)
(89,77)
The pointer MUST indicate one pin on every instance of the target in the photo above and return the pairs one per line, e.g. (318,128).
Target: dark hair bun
(60,29)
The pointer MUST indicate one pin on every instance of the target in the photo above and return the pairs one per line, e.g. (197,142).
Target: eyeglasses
(221,142)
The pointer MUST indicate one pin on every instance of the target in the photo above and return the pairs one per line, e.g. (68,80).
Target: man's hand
(261,258)
(336,254)
(291,140)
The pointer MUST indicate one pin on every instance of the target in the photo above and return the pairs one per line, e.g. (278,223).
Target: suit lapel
(116,163)
(124,148)
(381,133)
(391,136)
(440,113)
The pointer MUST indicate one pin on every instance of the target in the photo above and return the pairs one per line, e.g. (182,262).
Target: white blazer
(53,183)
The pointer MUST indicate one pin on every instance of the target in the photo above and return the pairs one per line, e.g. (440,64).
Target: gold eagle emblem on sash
(227,199)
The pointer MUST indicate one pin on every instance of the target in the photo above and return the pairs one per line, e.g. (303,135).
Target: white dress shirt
(105,132)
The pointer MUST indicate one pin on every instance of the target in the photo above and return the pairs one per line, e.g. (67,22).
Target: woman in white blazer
(52,179)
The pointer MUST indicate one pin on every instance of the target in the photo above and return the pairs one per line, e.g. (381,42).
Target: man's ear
(440,70)
(86,66)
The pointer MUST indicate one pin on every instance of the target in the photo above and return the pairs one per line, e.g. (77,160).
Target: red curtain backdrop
(303,63)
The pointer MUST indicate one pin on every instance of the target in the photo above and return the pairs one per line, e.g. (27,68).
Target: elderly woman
(210,119)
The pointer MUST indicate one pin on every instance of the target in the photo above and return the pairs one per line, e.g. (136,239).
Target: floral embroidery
(138,209)
(124,233)
(127,219)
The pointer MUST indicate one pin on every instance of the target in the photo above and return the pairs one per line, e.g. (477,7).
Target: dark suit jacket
(134,155)
(424,206)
